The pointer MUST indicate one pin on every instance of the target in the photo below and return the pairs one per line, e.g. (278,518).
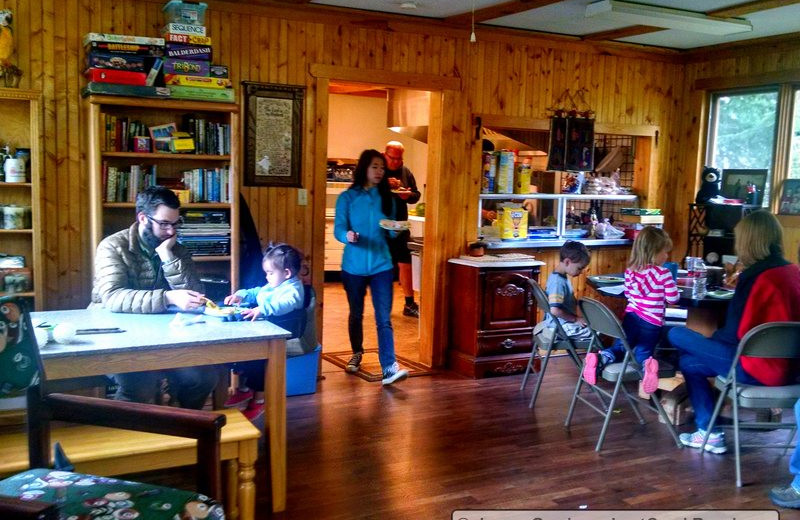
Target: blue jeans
(642,336)
(380,286)
(794,462)
(699,358)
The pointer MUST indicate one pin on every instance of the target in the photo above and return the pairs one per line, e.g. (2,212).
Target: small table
(704,315)
(149,342)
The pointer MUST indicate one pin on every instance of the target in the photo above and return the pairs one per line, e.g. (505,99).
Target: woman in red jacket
(768,290)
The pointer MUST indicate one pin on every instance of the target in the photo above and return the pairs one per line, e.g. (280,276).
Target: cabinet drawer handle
(507,343)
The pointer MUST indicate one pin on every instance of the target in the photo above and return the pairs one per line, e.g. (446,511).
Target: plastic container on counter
(178,11)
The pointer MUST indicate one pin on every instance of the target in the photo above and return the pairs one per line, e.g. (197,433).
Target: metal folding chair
(602,321)
(558,340)
(769,340)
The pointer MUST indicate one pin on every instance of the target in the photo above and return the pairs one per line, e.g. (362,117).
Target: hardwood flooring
(434,444)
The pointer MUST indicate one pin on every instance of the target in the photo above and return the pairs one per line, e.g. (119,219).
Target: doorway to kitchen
(359,118)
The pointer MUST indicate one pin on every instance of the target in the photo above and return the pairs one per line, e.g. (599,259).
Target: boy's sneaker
(254,412)
(650,379)
(393,374)
(590,368)
(786,496)
(239,399)
(354,363)
(411,309)
(715,444)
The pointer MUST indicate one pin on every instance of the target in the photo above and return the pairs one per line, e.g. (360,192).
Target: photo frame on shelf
(580,145)
(558,141)
(273,134)
(734,182)
(790,197)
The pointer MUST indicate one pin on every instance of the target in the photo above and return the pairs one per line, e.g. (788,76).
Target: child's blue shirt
(275,301)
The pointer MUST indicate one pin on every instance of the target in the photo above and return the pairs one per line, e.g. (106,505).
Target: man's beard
(150,238)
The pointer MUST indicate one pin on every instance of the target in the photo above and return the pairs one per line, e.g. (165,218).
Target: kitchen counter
(553,242)
(490,261)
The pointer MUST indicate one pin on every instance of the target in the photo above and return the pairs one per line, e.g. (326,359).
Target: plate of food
(393,225)
(212,309)
(606,278)
(720,294)
(402,190)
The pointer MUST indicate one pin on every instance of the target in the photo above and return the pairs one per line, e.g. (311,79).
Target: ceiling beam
(498,11)
(624,32)
(750,7)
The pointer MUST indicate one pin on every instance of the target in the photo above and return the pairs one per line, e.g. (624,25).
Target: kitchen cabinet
(492,315)
(333,248)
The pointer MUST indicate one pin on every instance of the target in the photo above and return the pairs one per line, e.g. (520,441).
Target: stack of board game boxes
(188,72)
(123,65)
(633,220)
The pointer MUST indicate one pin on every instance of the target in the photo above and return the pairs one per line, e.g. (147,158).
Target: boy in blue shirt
(282,294)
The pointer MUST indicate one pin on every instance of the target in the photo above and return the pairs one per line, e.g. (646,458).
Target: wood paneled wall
(739,66)
(504,73)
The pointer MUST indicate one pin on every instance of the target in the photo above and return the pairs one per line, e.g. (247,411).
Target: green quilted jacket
(125,280)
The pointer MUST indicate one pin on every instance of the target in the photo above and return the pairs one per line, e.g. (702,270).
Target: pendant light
(472,38)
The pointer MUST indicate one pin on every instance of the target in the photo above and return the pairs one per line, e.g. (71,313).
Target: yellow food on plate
(219,311)
(393,225)
(210,304)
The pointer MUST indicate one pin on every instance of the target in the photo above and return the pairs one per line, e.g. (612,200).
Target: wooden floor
(434,444)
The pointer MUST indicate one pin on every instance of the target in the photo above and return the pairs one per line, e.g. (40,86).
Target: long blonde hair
(758,235)
(648,243)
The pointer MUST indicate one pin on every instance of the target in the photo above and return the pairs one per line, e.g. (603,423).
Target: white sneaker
(393,374)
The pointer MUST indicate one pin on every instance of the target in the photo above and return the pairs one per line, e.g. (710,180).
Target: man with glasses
(144,270)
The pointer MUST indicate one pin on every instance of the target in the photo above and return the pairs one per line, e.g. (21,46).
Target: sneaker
(411,309)
(354,363)
(393,374)
(590,368)
(254,412)
(715,444)
(650,379)
(785,497)
(239,399)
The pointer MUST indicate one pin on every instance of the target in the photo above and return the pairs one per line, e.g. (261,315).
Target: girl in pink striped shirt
(648,288)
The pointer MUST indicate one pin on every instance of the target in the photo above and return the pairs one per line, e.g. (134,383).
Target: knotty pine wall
(742,66)
(505,73)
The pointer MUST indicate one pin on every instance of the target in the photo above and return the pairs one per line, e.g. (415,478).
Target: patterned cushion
(99,498)
(19,364)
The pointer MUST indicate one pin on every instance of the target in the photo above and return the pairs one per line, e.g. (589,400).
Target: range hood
(407,112)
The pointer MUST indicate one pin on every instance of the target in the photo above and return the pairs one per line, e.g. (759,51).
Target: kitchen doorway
(357,120)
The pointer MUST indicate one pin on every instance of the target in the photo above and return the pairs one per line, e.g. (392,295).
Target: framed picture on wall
(790,197)
(273,134)
(580,145)
(558,143)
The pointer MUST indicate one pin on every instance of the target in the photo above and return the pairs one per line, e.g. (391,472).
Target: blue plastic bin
(301,373)
(178,11)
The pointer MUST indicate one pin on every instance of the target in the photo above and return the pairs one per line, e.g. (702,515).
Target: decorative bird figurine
(6,38)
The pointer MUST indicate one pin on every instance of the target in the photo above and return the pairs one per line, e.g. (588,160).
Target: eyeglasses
(166,225)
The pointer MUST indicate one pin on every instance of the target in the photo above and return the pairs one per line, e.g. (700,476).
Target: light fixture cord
(472,38)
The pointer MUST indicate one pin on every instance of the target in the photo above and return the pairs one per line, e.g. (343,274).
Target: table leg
(232,488)
(248,453)
(275,395)
(704,321)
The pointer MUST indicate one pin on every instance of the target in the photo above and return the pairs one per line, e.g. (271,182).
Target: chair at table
(40,492)
(559,340)
(603,322)
(769,340)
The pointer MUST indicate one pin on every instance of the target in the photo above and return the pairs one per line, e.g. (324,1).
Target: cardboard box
(197,81)
(186,66)
(121,38)
(190,52)
(113,89)
(125,48)
(110,60)
(120,77)
(227,95)
(190,39)
(184,28)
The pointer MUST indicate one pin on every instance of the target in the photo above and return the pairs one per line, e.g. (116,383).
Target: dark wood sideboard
(491,317)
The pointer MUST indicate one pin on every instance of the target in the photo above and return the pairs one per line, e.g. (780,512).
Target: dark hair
(575,252)
(283,256)
(360,179)
(150,199)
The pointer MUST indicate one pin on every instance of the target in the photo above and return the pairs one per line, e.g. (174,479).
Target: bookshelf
(21,127)
(215,186)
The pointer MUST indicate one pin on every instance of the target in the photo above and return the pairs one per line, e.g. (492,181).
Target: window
(794,154)
(742,132)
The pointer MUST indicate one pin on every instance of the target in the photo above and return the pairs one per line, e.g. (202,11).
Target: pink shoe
(590,368)
(239,399)
(650,380)
(254,411)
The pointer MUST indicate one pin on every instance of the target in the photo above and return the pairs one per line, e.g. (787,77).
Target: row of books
(208,184)
(122,186)
(123,135)
(206,232)
(209,137)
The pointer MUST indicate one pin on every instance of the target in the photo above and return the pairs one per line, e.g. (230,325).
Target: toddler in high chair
(282,294)
(648,287)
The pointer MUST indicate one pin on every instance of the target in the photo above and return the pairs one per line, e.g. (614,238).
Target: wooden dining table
(148,342)
(704,315)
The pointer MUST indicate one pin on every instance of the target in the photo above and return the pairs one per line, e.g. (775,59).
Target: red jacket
(775,296)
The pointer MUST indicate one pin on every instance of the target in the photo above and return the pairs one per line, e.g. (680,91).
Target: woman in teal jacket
(366,260)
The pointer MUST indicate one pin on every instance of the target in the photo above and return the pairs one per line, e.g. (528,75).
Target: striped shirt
(648,291)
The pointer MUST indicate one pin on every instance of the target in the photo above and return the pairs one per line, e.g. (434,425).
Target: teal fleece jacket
(360,210)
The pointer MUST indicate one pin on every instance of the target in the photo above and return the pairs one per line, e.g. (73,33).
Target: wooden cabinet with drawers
(333,248)
(492,315)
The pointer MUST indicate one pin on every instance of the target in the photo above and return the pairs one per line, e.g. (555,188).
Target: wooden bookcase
(106,218)
(21,127)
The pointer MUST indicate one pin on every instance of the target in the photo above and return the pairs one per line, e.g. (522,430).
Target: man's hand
(251,314)
(233,300)
(352,237)
(394,183)
(164,249)
(185,299)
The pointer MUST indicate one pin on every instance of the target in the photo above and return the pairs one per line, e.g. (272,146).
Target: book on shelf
(642,219)
(640,211)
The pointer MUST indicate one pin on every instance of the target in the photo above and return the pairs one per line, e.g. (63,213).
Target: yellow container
(522,176)
(513,222)
(505,172)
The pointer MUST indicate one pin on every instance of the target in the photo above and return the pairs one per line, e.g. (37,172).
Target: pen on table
(109,330)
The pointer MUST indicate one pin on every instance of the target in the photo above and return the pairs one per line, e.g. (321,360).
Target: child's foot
(254,411)
(239,399)
(715,444)
(590,368)
(650,379)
